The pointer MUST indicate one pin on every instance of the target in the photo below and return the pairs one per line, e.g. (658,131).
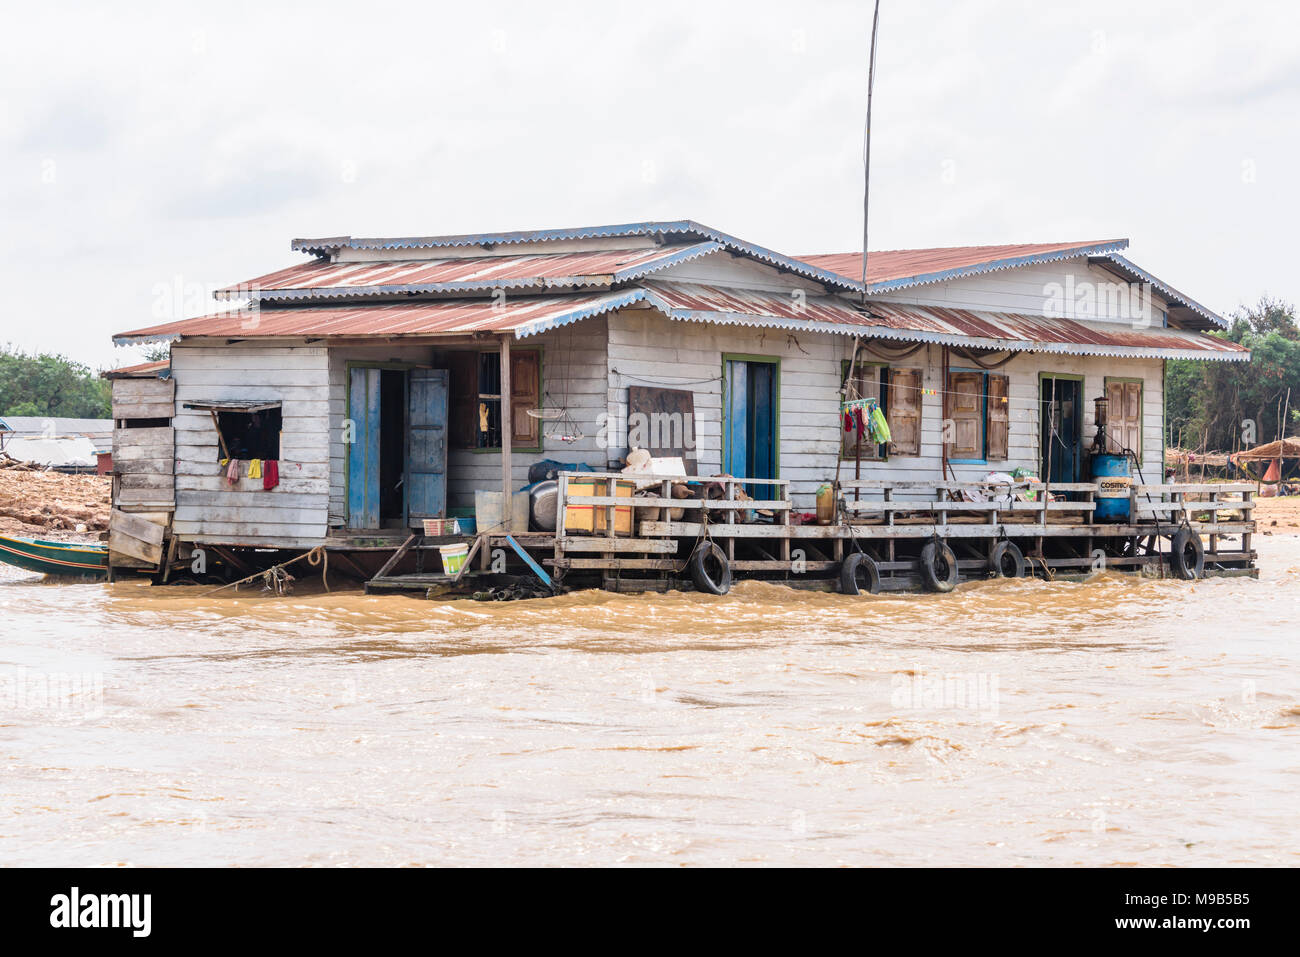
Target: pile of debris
(37,501)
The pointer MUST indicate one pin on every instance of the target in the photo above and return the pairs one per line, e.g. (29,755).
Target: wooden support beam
(397,556)
(507,429)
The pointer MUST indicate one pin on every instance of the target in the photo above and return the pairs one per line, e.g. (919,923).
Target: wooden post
(507,427)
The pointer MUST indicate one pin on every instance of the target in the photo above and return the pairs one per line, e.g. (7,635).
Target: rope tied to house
(277,579)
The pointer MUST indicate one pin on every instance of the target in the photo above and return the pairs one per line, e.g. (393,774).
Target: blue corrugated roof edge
(683,227)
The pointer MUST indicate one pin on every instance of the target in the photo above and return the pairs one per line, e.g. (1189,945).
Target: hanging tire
(710,570)
(938,567)
(859,575)
(1007,561)
(1187,555)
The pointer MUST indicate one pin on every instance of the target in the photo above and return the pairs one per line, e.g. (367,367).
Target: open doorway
(392,448)
(1061,418)
(396,445)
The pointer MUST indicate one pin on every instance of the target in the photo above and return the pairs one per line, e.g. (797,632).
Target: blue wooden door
(426,460)
(737,419)
(750,412)
(363,450)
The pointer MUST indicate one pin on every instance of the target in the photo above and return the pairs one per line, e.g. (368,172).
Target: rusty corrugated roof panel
(960,327)
(894,269)
(143,370)
(324,280)
(386,320)
(897,268)
(526,316)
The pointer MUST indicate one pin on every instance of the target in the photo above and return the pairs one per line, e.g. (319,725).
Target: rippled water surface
(1121,721)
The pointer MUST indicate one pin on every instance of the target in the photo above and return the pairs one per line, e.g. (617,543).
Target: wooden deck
(1054,525)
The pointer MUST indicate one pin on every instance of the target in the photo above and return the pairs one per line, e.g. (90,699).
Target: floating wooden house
(394,380)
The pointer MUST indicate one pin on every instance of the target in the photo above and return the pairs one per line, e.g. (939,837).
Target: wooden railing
(729,506)
(875,509)
(1147,503)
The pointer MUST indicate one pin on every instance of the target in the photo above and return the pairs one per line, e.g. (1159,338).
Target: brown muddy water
(1120,721)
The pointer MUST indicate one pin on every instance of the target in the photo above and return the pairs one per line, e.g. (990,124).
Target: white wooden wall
(207,509)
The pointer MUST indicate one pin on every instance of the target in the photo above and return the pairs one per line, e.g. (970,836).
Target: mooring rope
(276,578)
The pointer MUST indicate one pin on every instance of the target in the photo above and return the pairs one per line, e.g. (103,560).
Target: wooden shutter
(966,406)
(1124,430)
(997,428)
(525,394)
(463,399)
(905,411)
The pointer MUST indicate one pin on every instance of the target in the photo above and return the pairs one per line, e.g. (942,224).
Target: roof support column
(507,428)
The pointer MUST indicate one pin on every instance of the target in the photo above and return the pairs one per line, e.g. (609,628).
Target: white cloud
(198,141)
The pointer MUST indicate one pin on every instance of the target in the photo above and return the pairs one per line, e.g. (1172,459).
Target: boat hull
(55,558)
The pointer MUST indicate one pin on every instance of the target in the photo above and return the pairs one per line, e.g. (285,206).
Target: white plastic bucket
(453,558)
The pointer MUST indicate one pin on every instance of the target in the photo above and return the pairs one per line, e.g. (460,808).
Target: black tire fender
(1007,561)
(1187,555)
(938,567)
(705,579)
(859,570)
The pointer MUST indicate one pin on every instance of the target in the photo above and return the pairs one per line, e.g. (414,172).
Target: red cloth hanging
(270,474)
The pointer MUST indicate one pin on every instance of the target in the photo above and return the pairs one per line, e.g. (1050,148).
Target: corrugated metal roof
(899,268)
(893,269)
(665,230)
(385,320)
(144,370)
(527,316)
(325,280)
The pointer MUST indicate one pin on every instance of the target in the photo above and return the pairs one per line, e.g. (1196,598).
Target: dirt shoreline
(53,505)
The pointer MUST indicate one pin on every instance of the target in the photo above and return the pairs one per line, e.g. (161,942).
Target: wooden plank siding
(143,458)
(293,515)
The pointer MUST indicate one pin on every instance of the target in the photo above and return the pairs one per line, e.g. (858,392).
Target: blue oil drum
(1114,480)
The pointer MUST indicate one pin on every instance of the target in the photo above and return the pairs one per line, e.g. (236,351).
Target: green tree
(44,384)
(1225,406)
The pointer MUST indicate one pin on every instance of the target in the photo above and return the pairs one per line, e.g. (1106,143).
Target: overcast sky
(147,156)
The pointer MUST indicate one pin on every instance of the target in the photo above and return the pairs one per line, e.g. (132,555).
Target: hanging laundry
(848,421)
(232,472)
(254,468)
(860,422)
(270,474)
(483,417)
(879,427)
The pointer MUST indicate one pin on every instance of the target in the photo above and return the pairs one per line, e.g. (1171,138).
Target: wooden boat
(55,558)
